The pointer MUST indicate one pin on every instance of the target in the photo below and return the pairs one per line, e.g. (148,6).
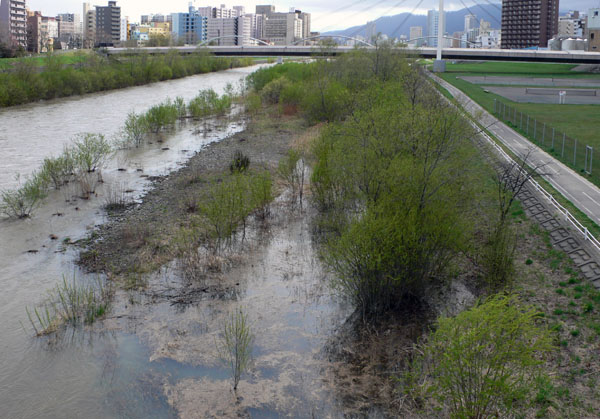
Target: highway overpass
(574,57)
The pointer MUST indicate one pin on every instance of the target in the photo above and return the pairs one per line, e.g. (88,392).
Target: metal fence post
(495,106)
(515,116)
(527,124)
(562,154)
(534,128)
(521,120)
(575,154)
(553,138)
(543,134)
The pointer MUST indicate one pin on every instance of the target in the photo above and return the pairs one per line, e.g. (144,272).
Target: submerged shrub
(21,202)
(235,346)
(161,116)
(208,102)
(485,361)
(59,170)
(135,129)
(90,152)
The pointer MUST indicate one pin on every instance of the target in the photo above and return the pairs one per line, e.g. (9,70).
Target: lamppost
(439,66)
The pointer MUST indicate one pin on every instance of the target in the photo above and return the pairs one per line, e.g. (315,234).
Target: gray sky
(327,15)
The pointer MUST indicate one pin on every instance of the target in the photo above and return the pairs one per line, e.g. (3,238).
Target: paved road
(582,193)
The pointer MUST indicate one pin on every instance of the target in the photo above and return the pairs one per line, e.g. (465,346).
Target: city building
(433,17)
(571,25)
(593,30)
(69,30)
(108,24)
(89,26)
(370,31)
(124,31)
(470,22)
(192,27)
(13,23)
(416,36)
(528,23)
(282,28)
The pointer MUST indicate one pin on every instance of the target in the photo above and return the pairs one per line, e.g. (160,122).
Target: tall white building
(124,31)
(282,28)
(370,31)
(433,17)
(471,22)
(416,32)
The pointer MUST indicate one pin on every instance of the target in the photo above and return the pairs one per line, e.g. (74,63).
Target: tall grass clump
(70,304)
(21,202)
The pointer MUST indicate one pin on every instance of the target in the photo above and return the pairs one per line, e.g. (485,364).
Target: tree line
(25,83)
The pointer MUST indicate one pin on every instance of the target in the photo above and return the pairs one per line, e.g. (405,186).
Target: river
(150,359)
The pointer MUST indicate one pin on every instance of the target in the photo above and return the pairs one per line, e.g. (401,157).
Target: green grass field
(517,69)
(579,122)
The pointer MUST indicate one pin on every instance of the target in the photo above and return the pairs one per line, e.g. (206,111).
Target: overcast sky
(327,15)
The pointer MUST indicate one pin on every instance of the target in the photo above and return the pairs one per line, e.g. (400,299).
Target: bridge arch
(445,37)
(208,41)
(333,36)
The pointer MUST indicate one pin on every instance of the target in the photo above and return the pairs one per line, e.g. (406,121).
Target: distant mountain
(394,26)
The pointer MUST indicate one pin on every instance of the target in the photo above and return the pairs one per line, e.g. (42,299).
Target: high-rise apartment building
(528,23)
(13,23)
(108,24)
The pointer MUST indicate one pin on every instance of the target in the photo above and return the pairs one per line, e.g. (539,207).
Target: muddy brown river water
(152,358)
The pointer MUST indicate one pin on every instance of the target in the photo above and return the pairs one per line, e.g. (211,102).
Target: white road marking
(593,200)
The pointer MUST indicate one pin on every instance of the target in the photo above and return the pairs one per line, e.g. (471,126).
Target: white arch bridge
(575,57)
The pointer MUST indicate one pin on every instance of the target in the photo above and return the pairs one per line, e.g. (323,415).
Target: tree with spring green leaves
(484,362)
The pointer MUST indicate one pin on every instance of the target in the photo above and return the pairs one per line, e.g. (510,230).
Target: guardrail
(565,212)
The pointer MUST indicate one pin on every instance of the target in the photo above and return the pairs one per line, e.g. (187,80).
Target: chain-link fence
(575,154)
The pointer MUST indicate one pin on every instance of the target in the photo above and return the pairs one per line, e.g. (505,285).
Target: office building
(192,27)
(433,18)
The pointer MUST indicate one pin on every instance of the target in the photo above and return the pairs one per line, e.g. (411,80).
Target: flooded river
(150,358)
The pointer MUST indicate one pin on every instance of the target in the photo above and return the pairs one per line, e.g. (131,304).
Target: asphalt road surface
(582,193)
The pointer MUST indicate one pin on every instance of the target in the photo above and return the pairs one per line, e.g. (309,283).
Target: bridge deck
(576,57)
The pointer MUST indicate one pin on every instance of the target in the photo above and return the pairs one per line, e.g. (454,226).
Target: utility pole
(439,66)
